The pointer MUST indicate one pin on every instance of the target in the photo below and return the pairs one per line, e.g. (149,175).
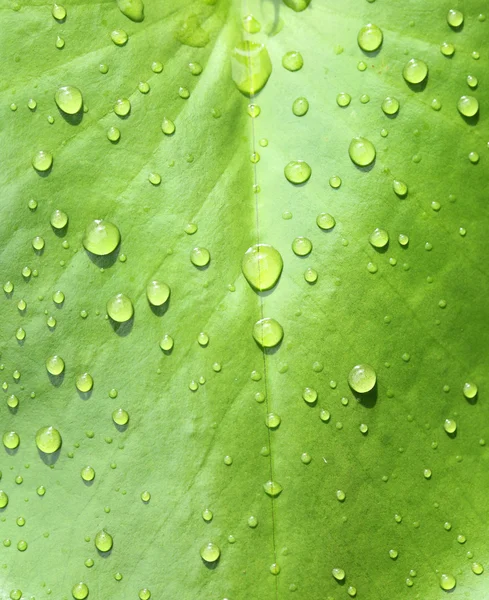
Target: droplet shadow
(381,250)
(473,400)
(368,168)
(452,435)
(104,554)
(12,451)
(159,311)
(122,329)
(45,173)
(84,395)
(472,121)
(121,428)
(369,399)
(106,261)
(60,232)
(49,459)
(270,351)
(75,119)
(56,380)
(210,565)
(418,87)
(88,483)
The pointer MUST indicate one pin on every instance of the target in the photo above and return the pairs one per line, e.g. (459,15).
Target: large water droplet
(338,574)
(379,238)
(42,161)
(48,439)
(55,365)
(297,171)
(370,38)
(361,151)
(200,257)
(415,71)
(69,99)
(251,67)
(272,488)
(119,37)
(11,440)
(292,61)
(3,499)
(103,541)
(262,266)
(59,219)
(447,582)
(455,18)
(210,552)
(132,9)
(297,5)
(120,308)
(390,106)
(58,12)
(157,293)
(470,390)
(101,237)
(122,107)
(302,246)
(450,425)
(362,378)
(80,591)
(268,332)
(468,106)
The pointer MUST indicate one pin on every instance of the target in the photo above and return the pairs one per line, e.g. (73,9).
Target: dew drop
(69,99)
(120,308)
(120,417)
(272,420)
(447,49)
(87,473)
(113,134)
(450,425)
(59,219)
(297,5)
(292,61)
(472,81)
(195,68)
(48,439)
(166,343)
(58,12)
(468,106)
(132,9)
(343,99)
(200,257)
(297,171)
(119,37)
(310,396)
(145,496)
(370,38)
(302,246)
(415,71)
(361,151)
(262,265)
(11,440)
(477,568)
(300,107)
(251,67)
(167,126)
(210,552)
(122,107)
(55,365)
(207,515)
(310,275)
(3,499)
(362,378)
(268,332)
(272,488)
(101,237)
(103,541)
(42,161)
(455,18)
(157,292)
(447,582)
(470,390)
(80,591)
(379,238)
(325,221)
(390,106)
(338,574)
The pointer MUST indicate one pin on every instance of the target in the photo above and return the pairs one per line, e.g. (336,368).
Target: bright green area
(177,449)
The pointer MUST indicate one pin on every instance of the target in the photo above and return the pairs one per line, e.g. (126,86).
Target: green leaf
(315,429)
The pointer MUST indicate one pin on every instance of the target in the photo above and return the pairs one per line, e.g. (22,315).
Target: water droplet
(477,568)
(268,332)
(80,591)
(200,257)
(210,552)
(390,106)
(3,499)
(120,417)
(470,390)
(20,334)
(156,67)
(403,239)
(370,38)
(195,68)
(472,81)
(340,495)
(145,496)
(362,378)
(461,539)
(325,221)
(58,12)
(379,238)
(69,99)
(42,161)
(475,55)
(455,18)
(101,237)
(272,420)
(87,473)
(38,243)
(207,515)
(361,151)
(262,265)
(310,275)
(55,365)
(338,574)
(120,308)
(427,473)
(297,171)
(144,594)
(166,343)
(415,71)
(251,67)
(272,488)
(447,49)
(48,439)
(103,541)
(343,99)
(468,106)
(450,425)
(363,428)
(113,134)
(400,188)
(122,107)
(12,401)
(119,37)
(157,292)
(310,396)
(447,582)
(11,440)
(292,61)
(302,246)
(300,106)
(59,219)
(132,9)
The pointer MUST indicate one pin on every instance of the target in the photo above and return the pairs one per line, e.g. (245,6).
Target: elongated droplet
(69,99)
(103,541)
(455,18)
(251,67)
(101,237)
(297,5)
(119,308)
(362,151)
(132,9)
(262,266)
(48,439)
(272,488)
(268,332)
(210,552)
(362,378)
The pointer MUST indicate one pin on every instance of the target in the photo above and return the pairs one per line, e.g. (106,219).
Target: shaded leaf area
(196,438)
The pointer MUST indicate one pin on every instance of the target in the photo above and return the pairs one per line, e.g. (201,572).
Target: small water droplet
(200,257)
(58,12)
(42,161)
(325,221)
(379,238)
(338,574)
(87,473)
(470,390)
(55,365)
(302,246)
(166,343)
(477,568)
(300,106)
(119,37)
(272,488)
(450,425)
(415,71)
(343,99)
(157,292)
(101,237)
(292,61)
(468,106)
(390,106)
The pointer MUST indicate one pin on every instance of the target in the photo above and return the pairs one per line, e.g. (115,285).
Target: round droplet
(309,395)
(370,38)
(310,275)
(145,496)
(470,390)
(144,594)
(101,237)
(122,107)
(379,238)
(200,257)
(272,420)
(415,71)
(58,12)
(468,106)
(84,382)
(262,266)
(11,440)
(268,332)
(103,541)
(69,99)
(477,568)
(87,473)
(297,171)
(292,61)
(390,106)
(450,425)
(300,106)
(119,37)
(325,221)
(167,126)
(362,378)
(207,515)
(3,499)
(38,243)
(400,188)
(447,49)
(339,574)
(157,292)
(42,161)
(166,343)
(113,134)
(447,582)
(455,18)
(340,495)
(120,417)
(55,365)
(80,591)
(48,439)
(210,552)
(472,81)
(59,219)
(120,308)
(361,151)
(302,246)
